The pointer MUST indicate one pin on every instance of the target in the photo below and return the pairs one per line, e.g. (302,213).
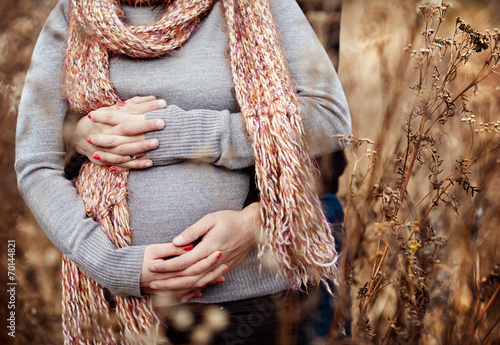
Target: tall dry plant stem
(481,314)
(491,329)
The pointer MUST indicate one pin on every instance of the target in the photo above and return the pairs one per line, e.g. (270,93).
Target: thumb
(194,232)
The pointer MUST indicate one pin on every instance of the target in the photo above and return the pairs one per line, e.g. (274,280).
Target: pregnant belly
(165,200)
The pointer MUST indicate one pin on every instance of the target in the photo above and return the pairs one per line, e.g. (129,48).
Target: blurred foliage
(37,261)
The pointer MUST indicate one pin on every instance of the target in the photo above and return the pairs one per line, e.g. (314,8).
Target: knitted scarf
(294,228)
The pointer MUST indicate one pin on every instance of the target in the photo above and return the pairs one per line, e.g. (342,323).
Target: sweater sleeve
(218,137)
(39,165)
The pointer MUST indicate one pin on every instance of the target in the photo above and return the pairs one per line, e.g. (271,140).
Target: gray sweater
(204,160)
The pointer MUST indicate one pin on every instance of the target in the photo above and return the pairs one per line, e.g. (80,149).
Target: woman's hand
(115,135)
(183,284)
(231,233)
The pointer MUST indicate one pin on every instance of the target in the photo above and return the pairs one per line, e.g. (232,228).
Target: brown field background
(373,36)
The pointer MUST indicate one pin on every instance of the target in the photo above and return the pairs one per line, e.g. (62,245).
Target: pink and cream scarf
(294,228)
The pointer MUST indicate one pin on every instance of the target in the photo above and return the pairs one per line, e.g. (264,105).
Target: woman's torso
(165,200)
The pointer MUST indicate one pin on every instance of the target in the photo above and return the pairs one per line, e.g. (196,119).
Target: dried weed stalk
(405,189)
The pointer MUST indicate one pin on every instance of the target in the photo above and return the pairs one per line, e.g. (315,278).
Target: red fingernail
(220,281)
(89,116)
(198,295)
(112,169)
(219,255)
(120,103)
(225,270)
(96,156)
(188,247)
(89,141)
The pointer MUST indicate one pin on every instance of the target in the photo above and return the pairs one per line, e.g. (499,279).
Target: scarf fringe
(296,231)
(87,316)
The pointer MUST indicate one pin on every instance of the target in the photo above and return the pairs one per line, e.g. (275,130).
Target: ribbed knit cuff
(118,270)
(193,134)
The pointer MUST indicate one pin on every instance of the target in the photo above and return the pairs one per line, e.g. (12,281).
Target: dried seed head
(489,127)
(470,119)
(416,227)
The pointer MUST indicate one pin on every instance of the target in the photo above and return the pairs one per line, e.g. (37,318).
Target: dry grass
(432,275)
(37,260)
(422,243)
